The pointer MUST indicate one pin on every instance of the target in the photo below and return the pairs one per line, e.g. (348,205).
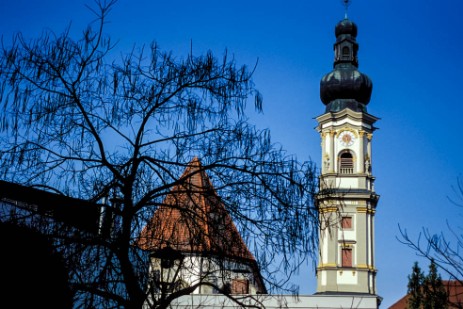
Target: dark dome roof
(345,86)
(345,82)
(346,26)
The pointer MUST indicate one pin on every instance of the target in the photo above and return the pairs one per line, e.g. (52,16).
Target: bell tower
(346,200)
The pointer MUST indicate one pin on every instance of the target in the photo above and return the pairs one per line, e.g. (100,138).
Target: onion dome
(345,86)
(346,27)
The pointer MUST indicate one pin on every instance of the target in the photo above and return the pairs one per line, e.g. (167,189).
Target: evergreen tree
(426,292)
(415,281)
(434,294)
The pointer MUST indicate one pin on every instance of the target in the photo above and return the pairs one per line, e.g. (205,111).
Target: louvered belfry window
(346,164)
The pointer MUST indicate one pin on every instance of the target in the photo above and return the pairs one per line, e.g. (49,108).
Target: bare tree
(76,120)
(444,248)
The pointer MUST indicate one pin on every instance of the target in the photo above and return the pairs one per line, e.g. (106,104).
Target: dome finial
(346,7)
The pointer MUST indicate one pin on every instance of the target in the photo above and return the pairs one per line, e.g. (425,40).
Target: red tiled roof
(454,290)
(193,219)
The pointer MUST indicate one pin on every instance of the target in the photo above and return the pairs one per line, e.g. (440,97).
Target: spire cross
(346,6)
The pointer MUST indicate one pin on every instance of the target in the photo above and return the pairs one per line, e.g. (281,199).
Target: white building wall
(279,301)
(197,269)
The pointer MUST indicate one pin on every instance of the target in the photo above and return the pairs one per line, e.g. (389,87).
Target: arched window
(345,52)
(346,163)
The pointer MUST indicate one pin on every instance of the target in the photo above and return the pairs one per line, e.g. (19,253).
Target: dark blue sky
(411,50)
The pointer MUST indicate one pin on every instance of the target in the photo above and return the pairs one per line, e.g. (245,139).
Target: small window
(345,51)
(346,163)
(346,223)
(240,286)
(346,257)
(215,286)
(155,281)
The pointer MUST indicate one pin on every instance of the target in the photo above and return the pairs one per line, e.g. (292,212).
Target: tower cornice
(347,113)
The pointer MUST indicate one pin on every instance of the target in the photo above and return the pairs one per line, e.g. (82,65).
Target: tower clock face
(347,138)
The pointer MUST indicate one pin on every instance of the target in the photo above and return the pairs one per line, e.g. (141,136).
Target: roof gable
(193,219)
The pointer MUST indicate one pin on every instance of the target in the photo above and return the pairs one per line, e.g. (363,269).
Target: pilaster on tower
(346,199)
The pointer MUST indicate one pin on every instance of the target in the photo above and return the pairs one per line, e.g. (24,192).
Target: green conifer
(434,293)
(415,281)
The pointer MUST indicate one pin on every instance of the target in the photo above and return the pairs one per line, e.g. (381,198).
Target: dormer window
(346,163)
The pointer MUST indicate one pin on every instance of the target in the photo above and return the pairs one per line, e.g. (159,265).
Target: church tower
(346,200)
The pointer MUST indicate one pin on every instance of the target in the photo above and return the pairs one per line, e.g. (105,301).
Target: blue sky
(411,50)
